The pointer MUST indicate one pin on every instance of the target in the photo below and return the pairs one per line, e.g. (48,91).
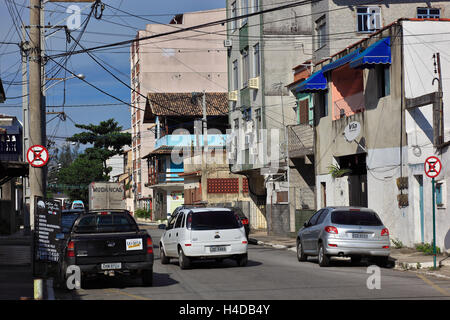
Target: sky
(114,26)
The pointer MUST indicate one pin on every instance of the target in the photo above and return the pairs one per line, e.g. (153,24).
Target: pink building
(190,61)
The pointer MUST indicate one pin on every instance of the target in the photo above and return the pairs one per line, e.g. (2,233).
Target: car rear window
(212,220)
(67,221)
(356,218)
(105,223)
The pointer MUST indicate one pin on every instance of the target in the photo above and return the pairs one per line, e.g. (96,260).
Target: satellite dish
(352,131)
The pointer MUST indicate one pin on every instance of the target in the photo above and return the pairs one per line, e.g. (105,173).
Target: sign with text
(47,222)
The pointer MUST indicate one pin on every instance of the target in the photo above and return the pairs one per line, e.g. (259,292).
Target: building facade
(193,62)
(376,122)
(261,51)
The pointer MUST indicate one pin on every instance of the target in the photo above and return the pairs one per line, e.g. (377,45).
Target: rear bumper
(126,266)
(351,247)
(203,250)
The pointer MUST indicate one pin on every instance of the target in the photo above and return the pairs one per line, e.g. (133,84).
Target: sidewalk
(16,279)
(403,259)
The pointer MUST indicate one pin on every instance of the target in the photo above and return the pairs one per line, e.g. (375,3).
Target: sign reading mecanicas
(106,195)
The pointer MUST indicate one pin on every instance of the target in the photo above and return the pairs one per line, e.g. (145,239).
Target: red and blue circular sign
(432,167)
(37,156)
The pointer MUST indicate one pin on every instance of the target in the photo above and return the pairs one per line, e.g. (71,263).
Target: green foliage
(142,213)
(427,248)
(337,172)
(397,243)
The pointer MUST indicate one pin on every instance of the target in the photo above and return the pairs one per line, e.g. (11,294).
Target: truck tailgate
(110,247)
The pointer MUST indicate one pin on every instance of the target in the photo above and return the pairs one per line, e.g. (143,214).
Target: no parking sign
(37,156)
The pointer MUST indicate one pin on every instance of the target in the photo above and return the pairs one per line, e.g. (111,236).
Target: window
(236,124)
(384,81)
(255,5)
(256,61)
(323,104)
(235,75)
(314,218)
(258,124)
(244,11)
(356,218)
(320,31)
(369,19)
(303,111)
(233,15)
(440,194)
(213,220)
(178,223)
(428,13)
(322,216)
(245,67)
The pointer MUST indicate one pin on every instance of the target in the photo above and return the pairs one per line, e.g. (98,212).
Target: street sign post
(433,167)
(37,156)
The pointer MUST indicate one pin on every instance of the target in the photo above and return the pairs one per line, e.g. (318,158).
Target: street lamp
(79,76)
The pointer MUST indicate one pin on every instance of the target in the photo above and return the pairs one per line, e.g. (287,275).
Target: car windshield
(100,223)
(212,220)
(356,218)
(67,221)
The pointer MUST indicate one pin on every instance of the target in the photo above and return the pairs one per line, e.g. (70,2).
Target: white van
(204,233)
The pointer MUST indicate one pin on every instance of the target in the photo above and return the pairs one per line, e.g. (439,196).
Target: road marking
(435,286)
(128,294)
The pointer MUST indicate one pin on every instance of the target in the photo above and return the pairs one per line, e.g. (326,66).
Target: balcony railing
(187,140)
(166,177)
(301,140)
(10,147)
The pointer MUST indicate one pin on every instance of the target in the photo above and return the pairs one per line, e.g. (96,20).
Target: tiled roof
(184,104)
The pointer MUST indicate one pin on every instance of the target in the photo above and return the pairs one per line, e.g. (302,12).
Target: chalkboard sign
(47,222)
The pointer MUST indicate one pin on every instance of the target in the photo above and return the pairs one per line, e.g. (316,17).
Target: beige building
(189,62)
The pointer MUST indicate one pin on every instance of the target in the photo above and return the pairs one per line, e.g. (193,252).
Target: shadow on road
(346,262)
(212,264)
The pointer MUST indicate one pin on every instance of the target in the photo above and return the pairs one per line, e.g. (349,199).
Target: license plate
(360,235)
(218,249)
(111,266)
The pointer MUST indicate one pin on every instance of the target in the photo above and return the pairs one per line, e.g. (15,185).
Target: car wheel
(382,261)
(147,277)
(324,259)
(301,256)
(356,259)
(162,256)
(242,260)
(183,261)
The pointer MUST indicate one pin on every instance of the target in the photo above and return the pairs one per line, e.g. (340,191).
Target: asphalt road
(271,274)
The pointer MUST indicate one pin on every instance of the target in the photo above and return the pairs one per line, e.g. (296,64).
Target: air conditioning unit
(233,95)
(227,43)
(253,83)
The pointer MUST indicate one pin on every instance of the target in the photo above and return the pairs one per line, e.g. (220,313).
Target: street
(271,274)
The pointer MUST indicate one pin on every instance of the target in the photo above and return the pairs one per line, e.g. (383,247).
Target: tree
(106,138)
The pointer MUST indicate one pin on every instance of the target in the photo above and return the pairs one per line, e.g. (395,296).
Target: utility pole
(26,126)
(437,69)
(205,129)
(36,175)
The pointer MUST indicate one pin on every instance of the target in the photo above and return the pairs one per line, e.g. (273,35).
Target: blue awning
(378,53)
(316,81)
(340,62)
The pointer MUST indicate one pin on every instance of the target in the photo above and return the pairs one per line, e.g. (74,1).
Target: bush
(397,243)
(142,213)
(427,248)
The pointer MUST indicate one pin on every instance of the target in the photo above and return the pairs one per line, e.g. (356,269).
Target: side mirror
(162,226)
(306,224)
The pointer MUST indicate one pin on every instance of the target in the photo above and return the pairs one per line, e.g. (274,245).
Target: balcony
(187,140)
(300,140)
(10,147)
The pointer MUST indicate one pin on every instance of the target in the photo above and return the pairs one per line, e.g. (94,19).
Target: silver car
(346,232)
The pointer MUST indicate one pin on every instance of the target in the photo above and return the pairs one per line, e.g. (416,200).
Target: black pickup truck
(107,242)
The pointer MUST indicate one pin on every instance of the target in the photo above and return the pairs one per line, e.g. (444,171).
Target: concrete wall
(341,19)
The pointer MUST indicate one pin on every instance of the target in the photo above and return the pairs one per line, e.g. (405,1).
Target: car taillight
(331,229)
(244,221)
(149,245)
(104,213)
(385,232)
(71,249)
(385,247)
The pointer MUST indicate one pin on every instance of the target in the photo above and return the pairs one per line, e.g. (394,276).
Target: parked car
(77,204)
(245,222)
(108,242)
(353,232)
(204,233)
